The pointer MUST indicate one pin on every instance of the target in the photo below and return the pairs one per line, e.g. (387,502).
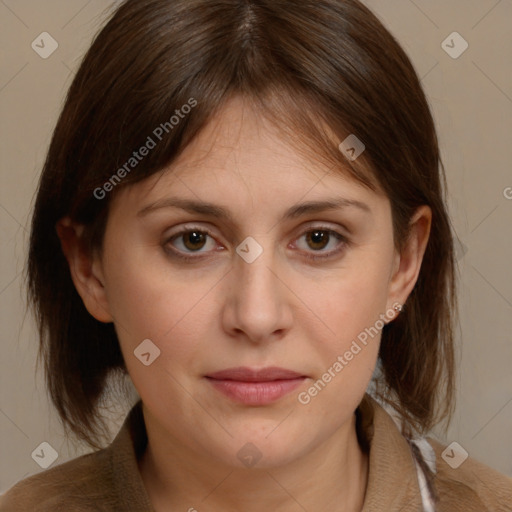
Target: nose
(258,305)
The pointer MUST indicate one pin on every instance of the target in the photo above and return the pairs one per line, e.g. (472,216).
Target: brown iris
(317,239)
(194,240)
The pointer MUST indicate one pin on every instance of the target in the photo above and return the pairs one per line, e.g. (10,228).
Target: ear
(85,268)
(407,264)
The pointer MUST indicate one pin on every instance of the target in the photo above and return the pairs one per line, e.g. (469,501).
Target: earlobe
(407,265)
(84,268)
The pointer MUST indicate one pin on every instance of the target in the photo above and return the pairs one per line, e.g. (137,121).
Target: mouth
(255,387)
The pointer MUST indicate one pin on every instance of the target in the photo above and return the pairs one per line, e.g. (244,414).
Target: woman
(242,209)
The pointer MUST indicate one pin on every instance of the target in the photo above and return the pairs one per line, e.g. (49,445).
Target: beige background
(471,97)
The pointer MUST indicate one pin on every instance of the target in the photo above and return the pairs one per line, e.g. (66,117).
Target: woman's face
(240,290)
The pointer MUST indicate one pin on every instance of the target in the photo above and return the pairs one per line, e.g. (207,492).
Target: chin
(261,451)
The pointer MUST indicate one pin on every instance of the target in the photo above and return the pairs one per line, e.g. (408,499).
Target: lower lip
(256,393)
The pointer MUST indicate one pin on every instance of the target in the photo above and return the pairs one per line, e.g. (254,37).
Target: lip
(255,387)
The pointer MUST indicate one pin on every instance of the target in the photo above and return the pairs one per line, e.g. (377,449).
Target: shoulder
(102,481)
(468,485)
(72,486)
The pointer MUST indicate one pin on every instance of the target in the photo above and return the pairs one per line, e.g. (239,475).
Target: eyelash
(344,242)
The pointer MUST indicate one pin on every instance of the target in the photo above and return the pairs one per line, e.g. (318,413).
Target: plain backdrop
(471,98)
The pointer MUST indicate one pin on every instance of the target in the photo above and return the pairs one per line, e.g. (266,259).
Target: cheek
(348,355)
(148,299)
(164,309)
(351,304)
(352,299)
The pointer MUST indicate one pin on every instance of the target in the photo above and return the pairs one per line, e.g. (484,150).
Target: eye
(190,240)
(319,239)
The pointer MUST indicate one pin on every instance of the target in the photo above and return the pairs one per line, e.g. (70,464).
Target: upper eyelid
(322,226)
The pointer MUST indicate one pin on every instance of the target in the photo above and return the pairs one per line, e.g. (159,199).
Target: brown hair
(319,69)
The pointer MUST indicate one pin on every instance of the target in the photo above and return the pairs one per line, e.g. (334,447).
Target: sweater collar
(392,479)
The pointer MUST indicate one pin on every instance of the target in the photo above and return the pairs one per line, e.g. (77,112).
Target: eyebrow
(210,209)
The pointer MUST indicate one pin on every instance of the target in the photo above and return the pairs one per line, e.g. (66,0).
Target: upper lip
(245,374)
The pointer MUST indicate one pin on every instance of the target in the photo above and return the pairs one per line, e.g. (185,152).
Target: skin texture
(218,311)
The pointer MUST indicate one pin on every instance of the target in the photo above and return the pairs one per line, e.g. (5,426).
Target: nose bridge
(253,268)
(258,301)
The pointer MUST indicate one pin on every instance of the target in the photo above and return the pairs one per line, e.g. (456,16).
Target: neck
(332,476)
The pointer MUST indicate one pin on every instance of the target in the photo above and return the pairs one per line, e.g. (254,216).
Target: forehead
(240,139)
(239,155)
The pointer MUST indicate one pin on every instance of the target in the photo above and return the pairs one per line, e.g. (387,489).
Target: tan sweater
(108,480)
